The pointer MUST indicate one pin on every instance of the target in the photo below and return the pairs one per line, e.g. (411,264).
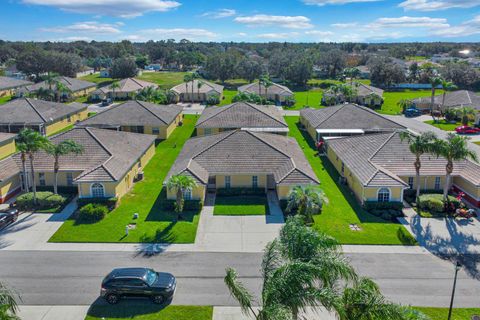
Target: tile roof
(206,87)
(242,115)
(127,85)
(275,88)
(108,155)
(135,113)
(365,90)
(8,168)
(348,116)
(244,152)
(381,159)
(71,83)
(33,111)
(6,136)
(454,99)
(12,83)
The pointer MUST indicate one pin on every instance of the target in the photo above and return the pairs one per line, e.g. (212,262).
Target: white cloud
(85,27)
(278,36)
(118,8)
(344,25)
(174,33)
(321,3)
(319,33)
(291,22)
(241,34)
(220,13)
(467,28)
(433,5)
(409,22)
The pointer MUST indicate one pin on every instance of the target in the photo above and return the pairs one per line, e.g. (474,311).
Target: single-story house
(365,95)
(202,90)
(454,99)
(85,71)
(127,89)
(108,167)
(12,72)
(138,116)
(241,115)
(345,120)
(7,144)
(8,86)
(276,92)
(243,159)
(77,87)
(380,167)
(46,117)
(364,72)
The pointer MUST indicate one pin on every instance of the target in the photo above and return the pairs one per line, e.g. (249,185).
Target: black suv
(138,282)
(7,217)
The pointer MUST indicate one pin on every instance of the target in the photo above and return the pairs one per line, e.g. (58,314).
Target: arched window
(383,195)
(97,190)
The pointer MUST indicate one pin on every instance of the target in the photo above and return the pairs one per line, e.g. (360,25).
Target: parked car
(7,217)
(138,282)
(106,102)
(412,112)
(467,130)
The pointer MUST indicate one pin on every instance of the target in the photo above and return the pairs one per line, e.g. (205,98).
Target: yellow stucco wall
(371,194)
(50,177)
(9,186)
(83,92)
(198,193)
(467,187)
(426,182)
(66,121)
(7,148)
(201,131)
(241,181)
(310,129)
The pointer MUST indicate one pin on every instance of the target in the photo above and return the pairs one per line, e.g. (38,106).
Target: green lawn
(444,125)
(311,98)
(165,80)
(154,224)
(391,99)
(96,79)
(442,313)
(83,99)
(148,311)
(5,99)
(478,142)
(227,97)
(343,209)
(416,58)
(240,205)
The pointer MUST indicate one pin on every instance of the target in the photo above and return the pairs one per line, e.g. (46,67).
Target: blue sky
(241,20)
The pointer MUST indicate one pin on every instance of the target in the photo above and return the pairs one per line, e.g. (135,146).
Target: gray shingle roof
(454,99)
(33,111)
(71,83)
(8,168)
(127,85)
(135,113)
(244,152)
(242,115)
(275,88)
(365,90)
(348,116)
(4,137)
(12,83)
(206,87)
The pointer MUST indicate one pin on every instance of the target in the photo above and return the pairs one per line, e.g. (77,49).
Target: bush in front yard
(188,205)
(92,212)
(435,202)
(45,200)
(240,192)
(109,202)
(385,210)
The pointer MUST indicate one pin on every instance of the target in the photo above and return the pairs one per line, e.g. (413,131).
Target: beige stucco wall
(241,181)
(426,182)
(467,187)
(371,194)
(198,193)
(201,131)
(7,148)
(84,92)
(9,186)
(65,122)
(310,129)
(50,177)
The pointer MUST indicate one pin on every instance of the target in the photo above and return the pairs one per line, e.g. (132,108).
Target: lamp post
(458,266)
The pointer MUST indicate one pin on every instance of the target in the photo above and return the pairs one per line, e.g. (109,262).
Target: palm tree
(404,104)
(447,86)
(434,82)
(351,73)
(453,148)
(22,148)
(199,85)
(33,142)
(180,183)
(61,89)
(187,78)
(113,86)
(193,78)
(61,149)
(8,304)
(45,94)
(50,78)
(466,114)
(306,201)
(419,145)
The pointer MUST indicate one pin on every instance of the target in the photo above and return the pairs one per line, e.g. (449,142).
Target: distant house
(85,71)
(202,90)
(345,120)
(153,67)
(139,117)
(454,99)
(13,72)
(364,72)
(365,95)
(7,144)
(104,73)
(276,92)
(77,87)
(8,86)
(45,117)
(127,89)
(241,115)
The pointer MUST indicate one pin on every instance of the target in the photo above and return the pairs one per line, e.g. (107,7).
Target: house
(8,86)
(77,87)
(108,167)
(345,120)
(202,91)
(127,88)
(84,71)
(138,116)
(454,99)
(153,67)
(380,167)
(241,115)
(477,120)
(104,73)
(276,92)
(365,95)
(7,144)
(243,159)
(45,117)
(12,72)
(364,72)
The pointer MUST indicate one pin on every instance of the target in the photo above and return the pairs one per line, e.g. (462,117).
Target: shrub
(435,202)
(290,101)
(92,212)
(188,205)
(109,202)
(405,237)
(241,192)
(213,100)
(45,200)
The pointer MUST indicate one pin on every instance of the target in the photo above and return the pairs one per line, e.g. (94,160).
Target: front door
(212,182)
(270,182)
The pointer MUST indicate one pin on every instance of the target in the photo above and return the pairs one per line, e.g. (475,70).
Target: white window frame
(93,194)
(382,192)
(187,194)
(41,179)
(254,182)
(156,131)
(69,178)
(438,183)
(228,182)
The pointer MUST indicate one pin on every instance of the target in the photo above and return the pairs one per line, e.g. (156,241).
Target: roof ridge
(66,80)
(229,133)
(256,107)
(266,142)
(148,110)
(35,109)
(86,172)
(89,130)
(378,114)
(136,81)
(221,109)
(374,154)
(340,108)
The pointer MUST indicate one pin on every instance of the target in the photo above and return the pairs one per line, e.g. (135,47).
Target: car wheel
(158,299)
(112,298)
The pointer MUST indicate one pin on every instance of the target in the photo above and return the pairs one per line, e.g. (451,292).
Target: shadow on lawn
(159,213)
(125,309)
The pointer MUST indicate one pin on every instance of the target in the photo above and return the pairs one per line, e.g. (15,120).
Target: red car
(467,130)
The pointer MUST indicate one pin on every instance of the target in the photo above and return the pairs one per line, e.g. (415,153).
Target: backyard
(154,223)
(444,125)
(241,205)
(148,311)
(393,97)
(343,209)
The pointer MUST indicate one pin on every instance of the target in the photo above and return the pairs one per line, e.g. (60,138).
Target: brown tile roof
(135,113)
(244,152)
(454,99)
(127,85)
(242,115)
(348,116)
(33,111)
(71,83)
(206,87)
(7,83)
(275,88)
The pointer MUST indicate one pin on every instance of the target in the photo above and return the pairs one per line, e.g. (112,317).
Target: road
(73,278)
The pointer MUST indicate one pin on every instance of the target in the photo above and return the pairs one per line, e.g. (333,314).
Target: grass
(165,80)
(343,208)
(227,97)
(312,98)
(416,58)
(444,125)
(5,99)
(95,78)
(391,99)
(154,224)
(442,313)
(148,311)
(83,99)
(241,205)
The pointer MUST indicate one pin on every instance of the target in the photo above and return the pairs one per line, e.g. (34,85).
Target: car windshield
(151,277)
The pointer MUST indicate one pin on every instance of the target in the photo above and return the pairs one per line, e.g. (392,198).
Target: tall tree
(124,67)
(22,148)
(187,78)
(61,90)
(58,150)
(466,114)
(446,86)
(113,86)
(180,184)
(404,104)
(306,201)
(434,83)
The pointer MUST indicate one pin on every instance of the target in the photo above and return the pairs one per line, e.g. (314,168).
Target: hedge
(188,205)
(385,210)
(109,202)
(45,200)
(240,192)
(435,202)
(92,212)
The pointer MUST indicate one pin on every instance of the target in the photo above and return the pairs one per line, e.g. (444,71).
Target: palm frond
(238,291)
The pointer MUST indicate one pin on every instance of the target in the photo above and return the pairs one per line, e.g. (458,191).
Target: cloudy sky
(242,20)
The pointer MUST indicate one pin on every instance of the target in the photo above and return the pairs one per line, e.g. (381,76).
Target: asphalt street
(73,278)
